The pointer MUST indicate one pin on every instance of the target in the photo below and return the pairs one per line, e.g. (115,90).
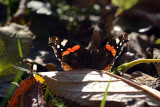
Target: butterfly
(73,56)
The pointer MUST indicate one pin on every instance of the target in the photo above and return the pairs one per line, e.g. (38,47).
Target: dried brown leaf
(20,14)
(156,55)
(88,86)
(28,94)
(142,78)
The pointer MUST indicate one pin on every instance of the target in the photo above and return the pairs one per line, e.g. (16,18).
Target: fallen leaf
(137,44)
(4,87)
(88,86)
(143,79)
(29,94)
(34,66)
(9,52)
(156,55)
(20,15)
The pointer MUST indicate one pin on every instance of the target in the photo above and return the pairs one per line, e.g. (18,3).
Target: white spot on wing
(34,67)
(63,43)
(120,44)
(117,40)
(58,46)
(56,38)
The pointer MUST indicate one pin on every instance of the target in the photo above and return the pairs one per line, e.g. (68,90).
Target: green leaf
(157,41)
(20,49)
(125,4)
(2,46)
(11,50)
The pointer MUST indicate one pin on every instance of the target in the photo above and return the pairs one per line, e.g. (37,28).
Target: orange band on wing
(108,67)
(74,48)
(113,51)
(70,50)
(65,53)
(111,48)
(66,67)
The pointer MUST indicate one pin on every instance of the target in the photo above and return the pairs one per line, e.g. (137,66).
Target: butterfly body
(73,56)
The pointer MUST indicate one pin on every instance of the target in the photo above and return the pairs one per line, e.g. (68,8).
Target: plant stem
(124,67)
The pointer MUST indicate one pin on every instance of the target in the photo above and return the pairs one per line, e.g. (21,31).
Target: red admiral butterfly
(73,56)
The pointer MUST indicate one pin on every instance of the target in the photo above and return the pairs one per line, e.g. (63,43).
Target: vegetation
(26,25)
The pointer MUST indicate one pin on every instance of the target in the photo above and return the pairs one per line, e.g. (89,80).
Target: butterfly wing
(110,51)
(71,55)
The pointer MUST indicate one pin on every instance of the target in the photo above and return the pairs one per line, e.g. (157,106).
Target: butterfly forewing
(107,55)
(118,43)
(60,45)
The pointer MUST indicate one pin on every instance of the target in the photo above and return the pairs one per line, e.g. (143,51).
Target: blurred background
(28,24)
(91,23)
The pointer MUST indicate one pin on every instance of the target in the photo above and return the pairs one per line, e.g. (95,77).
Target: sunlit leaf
(87,86)
(124,4)
(157,41)
(11,49)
